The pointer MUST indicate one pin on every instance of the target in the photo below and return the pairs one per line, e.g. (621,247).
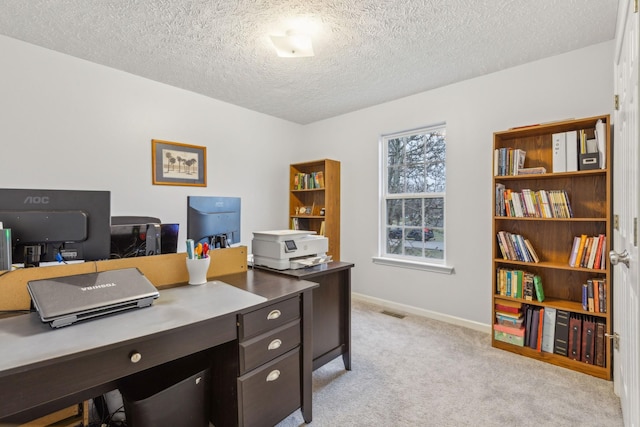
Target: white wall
(577,84)
(68,123)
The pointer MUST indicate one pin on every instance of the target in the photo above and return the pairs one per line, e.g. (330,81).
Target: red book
(539,343)
(596,262)
(507,309)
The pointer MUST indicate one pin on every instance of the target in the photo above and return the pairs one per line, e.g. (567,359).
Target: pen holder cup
(197,269)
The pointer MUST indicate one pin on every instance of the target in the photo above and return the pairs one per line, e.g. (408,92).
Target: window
(413,195)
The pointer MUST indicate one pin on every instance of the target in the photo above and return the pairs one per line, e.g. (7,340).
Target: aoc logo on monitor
(36,200)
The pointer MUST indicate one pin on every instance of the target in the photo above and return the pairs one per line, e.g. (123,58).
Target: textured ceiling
(366,51)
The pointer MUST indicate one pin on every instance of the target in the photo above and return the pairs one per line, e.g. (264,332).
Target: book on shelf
(600,346)
(533,326)
(597,262)
(580,250)
(528,287)
(575,336)
(590,300)
(588,340)
(508,306)
(537,284)
(561,341)
(548,329)
(532,251)
(574,251)
(538,170)
(540,327)
(602,294)
(500,207)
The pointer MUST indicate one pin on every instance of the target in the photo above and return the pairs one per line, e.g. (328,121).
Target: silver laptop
(62,301)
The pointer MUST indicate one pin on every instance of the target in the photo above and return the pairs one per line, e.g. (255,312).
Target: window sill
(434,268)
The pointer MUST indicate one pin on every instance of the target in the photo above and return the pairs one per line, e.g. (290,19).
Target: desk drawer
(262,348)
(259,321)
(270,393)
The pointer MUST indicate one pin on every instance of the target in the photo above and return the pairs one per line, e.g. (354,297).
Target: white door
(626,184)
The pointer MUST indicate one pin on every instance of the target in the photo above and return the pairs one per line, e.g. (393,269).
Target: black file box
(174,394)
(589,161)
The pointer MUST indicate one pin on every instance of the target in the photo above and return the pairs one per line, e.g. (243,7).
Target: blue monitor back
(213,219)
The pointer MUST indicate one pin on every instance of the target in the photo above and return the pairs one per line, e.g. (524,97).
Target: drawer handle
(273,314)
(275,344)
(135,357)
(273,375)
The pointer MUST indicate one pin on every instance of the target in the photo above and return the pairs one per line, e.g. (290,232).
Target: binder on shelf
(575,337)
(600,347)
(601,142)
(548,329)
(559,152)
(588,340)
(572,150)
(561,342)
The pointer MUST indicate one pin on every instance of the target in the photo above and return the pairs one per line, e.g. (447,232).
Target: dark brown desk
(331,309)
(43,370)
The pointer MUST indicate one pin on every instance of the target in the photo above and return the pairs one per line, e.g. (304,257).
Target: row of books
(507,161)
(308,181)
(546,329)
(594,295)
(515,247)
(588,252)
(532,204)
(519,284)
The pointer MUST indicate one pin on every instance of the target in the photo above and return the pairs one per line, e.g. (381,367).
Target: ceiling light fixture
(293,45)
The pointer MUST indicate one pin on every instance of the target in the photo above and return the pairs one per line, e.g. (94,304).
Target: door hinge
(635,6)
(616,222)
(616,102)
(635,231)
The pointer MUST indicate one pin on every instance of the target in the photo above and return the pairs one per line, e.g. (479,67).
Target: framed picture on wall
(174,163)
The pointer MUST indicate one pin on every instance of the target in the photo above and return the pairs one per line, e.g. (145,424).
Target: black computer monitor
(56,225)
(214,220)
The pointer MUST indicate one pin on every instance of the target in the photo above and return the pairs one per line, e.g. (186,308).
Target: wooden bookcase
(323,201)
(589,193)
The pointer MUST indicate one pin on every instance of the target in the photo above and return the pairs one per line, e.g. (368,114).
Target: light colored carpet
(422,372)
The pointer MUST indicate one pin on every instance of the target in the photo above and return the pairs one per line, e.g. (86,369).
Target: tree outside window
(414,183)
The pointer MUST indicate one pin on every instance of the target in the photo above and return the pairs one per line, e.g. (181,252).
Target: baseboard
(408,309)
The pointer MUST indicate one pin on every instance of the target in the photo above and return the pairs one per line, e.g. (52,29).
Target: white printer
(289,249)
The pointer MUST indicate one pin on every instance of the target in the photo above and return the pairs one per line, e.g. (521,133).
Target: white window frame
(406,261)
